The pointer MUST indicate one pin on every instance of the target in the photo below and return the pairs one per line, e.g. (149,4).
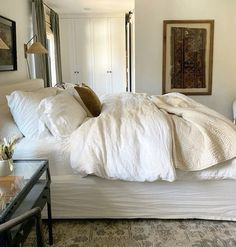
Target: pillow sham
(8,128)
(62,114)
(90,99)
(23,107)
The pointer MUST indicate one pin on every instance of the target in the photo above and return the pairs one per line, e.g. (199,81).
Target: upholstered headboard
(29,85)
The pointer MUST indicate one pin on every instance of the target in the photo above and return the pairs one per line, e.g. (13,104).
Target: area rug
(140,233)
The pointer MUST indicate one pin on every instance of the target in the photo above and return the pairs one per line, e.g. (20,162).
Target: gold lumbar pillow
(90,99)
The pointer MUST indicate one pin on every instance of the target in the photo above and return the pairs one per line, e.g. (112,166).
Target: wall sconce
(3,45)
(35,48)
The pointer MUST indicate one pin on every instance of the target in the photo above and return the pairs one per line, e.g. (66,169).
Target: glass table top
(14,186)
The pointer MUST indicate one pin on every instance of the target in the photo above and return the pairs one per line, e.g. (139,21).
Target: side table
(27,187)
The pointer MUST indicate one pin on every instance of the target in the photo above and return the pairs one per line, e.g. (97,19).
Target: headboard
(29,85)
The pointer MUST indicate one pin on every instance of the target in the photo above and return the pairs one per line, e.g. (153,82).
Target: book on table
(10,186)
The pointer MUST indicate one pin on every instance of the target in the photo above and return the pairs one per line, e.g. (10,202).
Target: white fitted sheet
(56,151)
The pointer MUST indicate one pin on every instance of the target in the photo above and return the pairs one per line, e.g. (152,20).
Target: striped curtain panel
(54,20)
(41,61)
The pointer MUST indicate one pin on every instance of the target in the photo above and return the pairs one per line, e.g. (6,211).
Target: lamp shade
(37,48)
(3,45)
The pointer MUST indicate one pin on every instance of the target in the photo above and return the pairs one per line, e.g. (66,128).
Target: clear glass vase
(6,167)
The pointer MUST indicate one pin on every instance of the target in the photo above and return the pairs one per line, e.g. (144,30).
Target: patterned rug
(140,233)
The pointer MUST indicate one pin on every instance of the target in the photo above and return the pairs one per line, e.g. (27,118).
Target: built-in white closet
(93,51)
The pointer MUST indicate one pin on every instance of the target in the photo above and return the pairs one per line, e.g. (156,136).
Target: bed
(192,195)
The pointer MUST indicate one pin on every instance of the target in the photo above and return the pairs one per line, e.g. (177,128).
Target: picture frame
(8,57)
(188,56)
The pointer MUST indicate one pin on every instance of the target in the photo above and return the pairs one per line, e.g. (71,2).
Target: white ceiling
(90,6)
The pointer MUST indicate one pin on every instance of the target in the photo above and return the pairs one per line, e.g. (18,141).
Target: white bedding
(93,197)
(141,138)
(119,143)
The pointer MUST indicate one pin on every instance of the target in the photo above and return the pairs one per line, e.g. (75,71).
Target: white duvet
(142,138)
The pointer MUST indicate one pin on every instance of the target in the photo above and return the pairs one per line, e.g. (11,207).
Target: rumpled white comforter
(144,138)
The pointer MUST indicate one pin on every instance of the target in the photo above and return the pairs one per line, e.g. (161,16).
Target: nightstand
(27,187)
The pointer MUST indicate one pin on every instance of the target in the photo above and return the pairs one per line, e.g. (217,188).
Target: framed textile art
(8,59)
(188,56)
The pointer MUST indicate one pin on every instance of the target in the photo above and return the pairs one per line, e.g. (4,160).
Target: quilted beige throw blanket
(201,136)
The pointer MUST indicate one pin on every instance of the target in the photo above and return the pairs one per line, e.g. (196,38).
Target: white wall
(20,12)
(149,16)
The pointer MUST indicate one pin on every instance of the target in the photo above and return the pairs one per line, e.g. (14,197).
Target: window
(51,49)
(51,58)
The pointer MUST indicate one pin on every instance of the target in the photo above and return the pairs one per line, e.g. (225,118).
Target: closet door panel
(83,51)
(100,56)
(68,56)
(118,56)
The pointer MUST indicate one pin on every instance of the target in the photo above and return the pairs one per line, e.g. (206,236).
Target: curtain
(54,20)
(41,61)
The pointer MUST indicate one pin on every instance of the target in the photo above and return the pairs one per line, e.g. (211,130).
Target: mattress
(92,197)
(58,154)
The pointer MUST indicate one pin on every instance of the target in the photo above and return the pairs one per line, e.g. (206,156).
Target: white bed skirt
(93,197)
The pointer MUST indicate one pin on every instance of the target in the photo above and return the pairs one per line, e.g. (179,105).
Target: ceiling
(90,6)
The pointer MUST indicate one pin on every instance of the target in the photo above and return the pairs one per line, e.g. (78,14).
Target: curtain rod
(48,6)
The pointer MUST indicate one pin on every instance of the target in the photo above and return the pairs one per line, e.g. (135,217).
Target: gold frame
(166,69)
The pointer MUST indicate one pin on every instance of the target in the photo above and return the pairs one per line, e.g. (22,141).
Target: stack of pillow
(50,111)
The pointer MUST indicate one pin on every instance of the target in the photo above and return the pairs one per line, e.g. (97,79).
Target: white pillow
(62,114)
(23,107)
(8,128)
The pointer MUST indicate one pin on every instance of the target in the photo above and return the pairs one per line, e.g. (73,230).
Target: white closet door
(68,56)
(101,68)
(118,56)
(93,51)
(83,51)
